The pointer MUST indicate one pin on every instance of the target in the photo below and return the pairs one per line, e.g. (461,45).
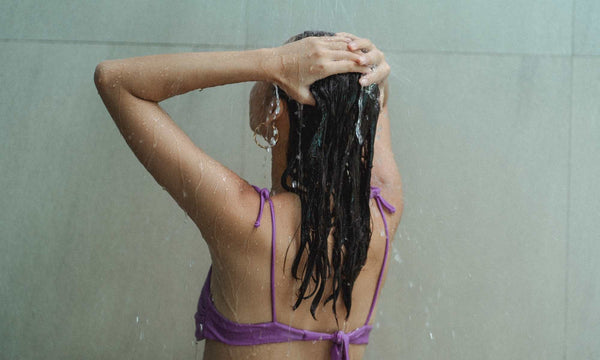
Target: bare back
(241,281)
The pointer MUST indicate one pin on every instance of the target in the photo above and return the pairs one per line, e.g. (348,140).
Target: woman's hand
(313,58)
(371,56)
(379,68)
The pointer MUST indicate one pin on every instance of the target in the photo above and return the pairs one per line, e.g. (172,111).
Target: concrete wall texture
(496,130)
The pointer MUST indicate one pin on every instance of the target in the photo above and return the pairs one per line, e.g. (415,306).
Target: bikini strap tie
(341,346)
(376,193)
(264,194)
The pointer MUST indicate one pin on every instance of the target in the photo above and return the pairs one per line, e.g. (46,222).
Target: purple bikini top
(210,324)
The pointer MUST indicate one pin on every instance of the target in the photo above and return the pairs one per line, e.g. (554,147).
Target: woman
(331,153)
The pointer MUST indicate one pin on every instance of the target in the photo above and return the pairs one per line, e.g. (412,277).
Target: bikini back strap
(264,195)
(381,204)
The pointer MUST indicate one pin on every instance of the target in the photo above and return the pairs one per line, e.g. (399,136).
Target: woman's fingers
(363,44)
(335,39)
(348,35)
(344,66)
(376,75)
(371,58)
(337,55)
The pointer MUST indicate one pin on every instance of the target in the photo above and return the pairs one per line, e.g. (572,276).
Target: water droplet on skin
(137,319)
(430,335)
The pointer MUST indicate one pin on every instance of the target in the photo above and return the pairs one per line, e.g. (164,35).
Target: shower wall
(495,127)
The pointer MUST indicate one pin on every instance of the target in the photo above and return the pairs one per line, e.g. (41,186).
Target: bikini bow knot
(341,346)
(376,193)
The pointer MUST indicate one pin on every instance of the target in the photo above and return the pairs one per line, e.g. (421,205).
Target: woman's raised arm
(131,89)
(158,77)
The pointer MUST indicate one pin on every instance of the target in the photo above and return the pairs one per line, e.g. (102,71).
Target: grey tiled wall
(495,125)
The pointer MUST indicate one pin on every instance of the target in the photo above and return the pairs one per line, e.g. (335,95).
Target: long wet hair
(329,161)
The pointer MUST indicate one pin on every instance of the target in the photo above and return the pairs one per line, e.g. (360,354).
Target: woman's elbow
(105,75)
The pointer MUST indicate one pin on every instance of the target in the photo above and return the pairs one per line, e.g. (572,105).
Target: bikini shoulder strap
(381,204)
(264,195)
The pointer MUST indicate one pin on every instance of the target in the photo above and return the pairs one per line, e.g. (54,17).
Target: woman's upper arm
(203,188)
(385,173)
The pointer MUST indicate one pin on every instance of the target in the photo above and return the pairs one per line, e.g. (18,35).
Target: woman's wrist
(271,64)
